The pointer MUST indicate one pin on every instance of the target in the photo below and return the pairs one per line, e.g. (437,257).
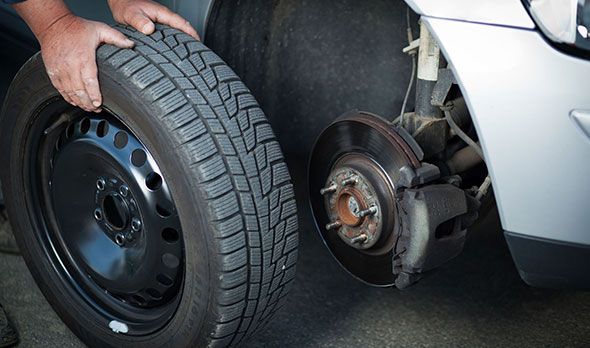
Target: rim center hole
(115,211)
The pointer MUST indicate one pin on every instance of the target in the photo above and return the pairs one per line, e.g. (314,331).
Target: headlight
(563,21)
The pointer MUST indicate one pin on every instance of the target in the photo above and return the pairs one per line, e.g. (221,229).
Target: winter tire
(169,218)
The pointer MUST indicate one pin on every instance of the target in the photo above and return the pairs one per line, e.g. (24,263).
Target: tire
(221,163)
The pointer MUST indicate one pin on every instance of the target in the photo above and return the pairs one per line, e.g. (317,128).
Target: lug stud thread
(330,189)
(360,239)
(368,211)
(351,180)
(333,225)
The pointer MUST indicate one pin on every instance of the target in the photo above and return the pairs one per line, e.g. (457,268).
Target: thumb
(142,23)
(114,37)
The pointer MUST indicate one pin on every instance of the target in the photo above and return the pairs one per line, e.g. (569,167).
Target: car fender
(498,12)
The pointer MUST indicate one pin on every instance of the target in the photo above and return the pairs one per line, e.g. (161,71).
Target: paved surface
(475,300)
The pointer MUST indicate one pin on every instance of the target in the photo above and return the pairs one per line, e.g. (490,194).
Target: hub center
(348,206)
(116,212)
(353,204)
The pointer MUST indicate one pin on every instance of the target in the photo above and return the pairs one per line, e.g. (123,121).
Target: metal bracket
(446,79)
(410,177)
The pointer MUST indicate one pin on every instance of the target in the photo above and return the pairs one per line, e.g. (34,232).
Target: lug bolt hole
(98,214)
(101,184)
(135,225)
(124,190)
(120,239)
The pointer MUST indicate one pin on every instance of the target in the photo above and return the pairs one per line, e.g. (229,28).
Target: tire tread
(230,147)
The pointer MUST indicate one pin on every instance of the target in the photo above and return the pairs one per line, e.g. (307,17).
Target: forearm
(41,15)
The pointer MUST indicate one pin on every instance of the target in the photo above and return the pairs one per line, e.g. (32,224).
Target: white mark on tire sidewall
(118,327)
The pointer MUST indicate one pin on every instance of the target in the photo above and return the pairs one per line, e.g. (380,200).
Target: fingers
(113,37)
(165,16)
(79,95)
(79,87)
(141,22)
(89,77)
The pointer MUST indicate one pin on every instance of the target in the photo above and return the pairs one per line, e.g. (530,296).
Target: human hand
(68,48)
(143,14)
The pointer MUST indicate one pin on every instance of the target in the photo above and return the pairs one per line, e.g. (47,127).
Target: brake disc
(354,172)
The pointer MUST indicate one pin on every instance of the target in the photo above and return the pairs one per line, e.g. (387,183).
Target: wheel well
(308,62)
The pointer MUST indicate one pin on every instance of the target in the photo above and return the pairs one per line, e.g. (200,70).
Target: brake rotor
(353,174)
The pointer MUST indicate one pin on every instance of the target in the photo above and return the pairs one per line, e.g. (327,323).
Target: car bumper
(550,263)
(522,94)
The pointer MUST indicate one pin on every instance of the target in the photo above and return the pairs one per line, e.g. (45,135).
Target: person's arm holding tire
(68,47)
(69,43)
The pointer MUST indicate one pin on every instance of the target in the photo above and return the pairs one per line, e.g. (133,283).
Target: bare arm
(69,43)
(68,47)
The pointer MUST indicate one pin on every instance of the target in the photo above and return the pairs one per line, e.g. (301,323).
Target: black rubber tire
(224,168)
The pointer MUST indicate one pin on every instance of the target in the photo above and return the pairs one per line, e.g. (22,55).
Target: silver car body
(529,103)
(531,109)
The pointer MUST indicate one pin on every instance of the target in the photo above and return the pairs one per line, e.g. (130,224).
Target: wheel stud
(333,225)
(330,189)
(360,239)
(367,212)
(351,180)
(120,239)
(135,224)
(101,184)
(98,214)
(124,190)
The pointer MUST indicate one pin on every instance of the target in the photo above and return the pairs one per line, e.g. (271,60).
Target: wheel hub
(353,171)
(352,203)
(116,211)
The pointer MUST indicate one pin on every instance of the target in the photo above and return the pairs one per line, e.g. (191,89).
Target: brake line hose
(447,111)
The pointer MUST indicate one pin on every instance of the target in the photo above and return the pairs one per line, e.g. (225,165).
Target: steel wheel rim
(144,298)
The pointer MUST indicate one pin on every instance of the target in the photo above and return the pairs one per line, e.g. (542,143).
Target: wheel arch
(325,57)
(497,12)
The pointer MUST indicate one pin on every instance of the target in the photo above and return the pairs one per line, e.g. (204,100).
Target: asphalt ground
(475,300)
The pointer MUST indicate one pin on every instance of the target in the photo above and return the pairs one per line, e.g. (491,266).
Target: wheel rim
(111,226)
